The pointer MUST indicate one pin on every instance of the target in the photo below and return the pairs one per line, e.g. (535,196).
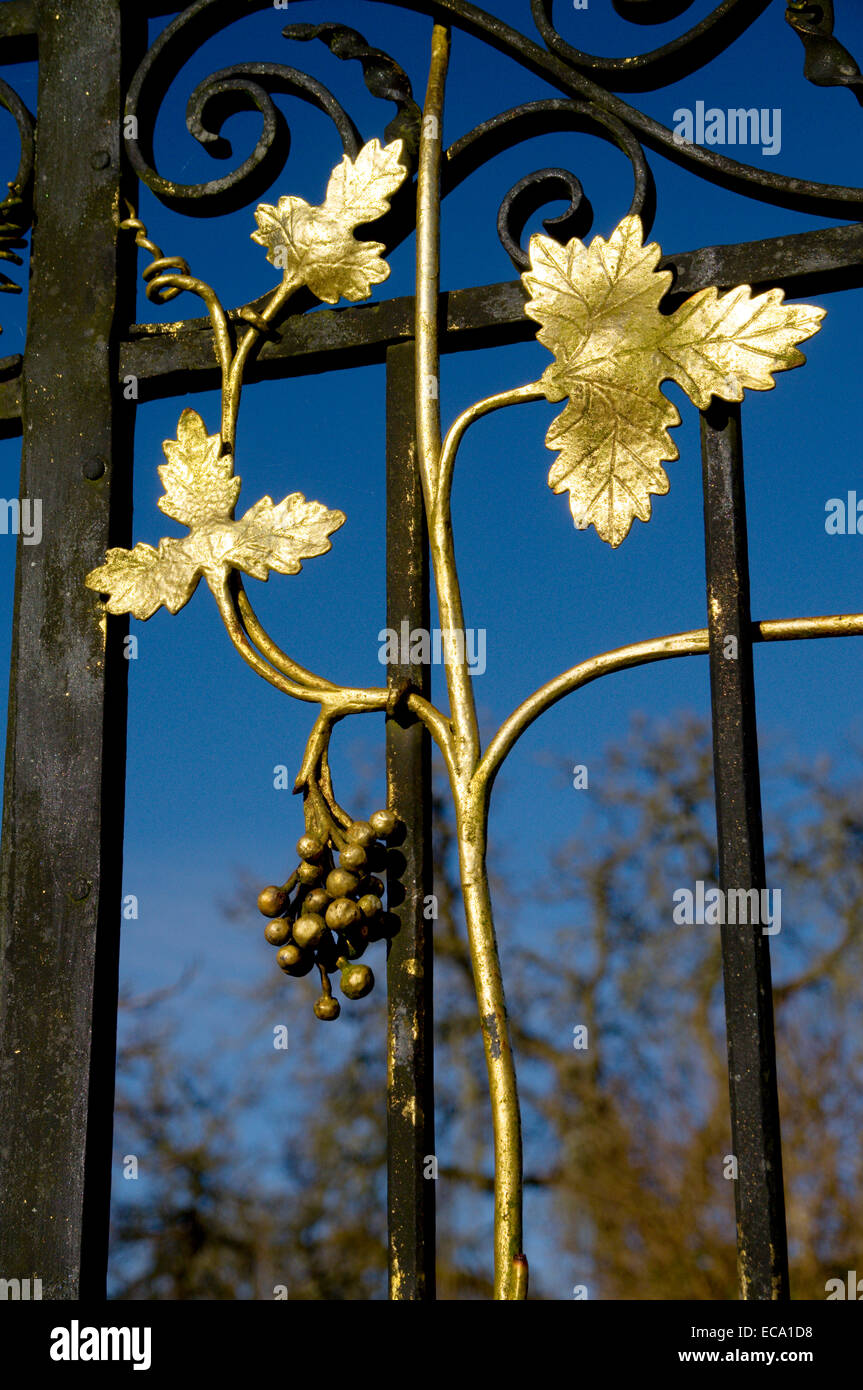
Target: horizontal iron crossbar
(169,362)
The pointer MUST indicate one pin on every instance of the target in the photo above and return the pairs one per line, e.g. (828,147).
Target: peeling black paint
(489,1023)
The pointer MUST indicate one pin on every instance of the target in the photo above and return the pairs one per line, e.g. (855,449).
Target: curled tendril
(545,185)
(157,294)
(168,276)
(528,196)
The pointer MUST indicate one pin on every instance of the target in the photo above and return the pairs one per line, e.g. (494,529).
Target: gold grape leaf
(598,310)
(139,581)
(315,246)
(277,536)
(198,479)
(201,491)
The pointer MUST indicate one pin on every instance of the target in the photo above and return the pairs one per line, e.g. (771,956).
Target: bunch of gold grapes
(327,913)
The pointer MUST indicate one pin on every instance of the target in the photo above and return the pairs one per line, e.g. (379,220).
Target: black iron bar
(410,1071)
(166,362)
(762,1257)
(60,872)
(19,21)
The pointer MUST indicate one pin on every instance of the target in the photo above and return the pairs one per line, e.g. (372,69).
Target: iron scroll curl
(582,78)
(16,209)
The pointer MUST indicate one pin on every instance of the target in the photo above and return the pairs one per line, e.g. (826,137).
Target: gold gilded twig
(470,822)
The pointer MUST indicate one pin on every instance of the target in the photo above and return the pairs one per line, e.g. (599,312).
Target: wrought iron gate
(78,174)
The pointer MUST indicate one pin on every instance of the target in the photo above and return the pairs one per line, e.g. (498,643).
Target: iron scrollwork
(827,62)
(587,106)
(16,209)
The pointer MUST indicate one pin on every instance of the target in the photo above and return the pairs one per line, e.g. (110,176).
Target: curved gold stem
(222,344)
(172,279)
(319,688)
(681,644)
(440,729)
(692,643)
(336,700)
(234,383)
(318,808)
(252,657)
(334,703)
(472,812)
(338,813)
(454,435)
(316,746)
(165,286)
(327,825)
(272,651)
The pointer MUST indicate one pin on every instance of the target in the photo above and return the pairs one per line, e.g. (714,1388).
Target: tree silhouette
(626,1139)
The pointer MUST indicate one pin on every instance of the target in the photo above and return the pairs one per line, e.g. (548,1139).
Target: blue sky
(205,733)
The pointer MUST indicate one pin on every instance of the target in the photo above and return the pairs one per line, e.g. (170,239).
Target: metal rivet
(80,889)
(94,468)
(101,159)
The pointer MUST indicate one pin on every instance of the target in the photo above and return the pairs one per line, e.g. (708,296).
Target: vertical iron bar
(410,1076)
(60,873)
(762,1256)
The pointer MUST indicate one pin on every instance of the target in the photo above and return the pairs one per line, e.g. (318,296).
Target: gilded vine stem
(510,1280)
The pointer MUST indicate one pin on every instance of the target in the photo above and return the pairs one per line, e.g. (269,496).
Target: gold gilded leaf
(598,310)
(201,492)
(277,536)
(591,300)
(315,246)
(198,481)
(612,443)
(719,345)
(139,581)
